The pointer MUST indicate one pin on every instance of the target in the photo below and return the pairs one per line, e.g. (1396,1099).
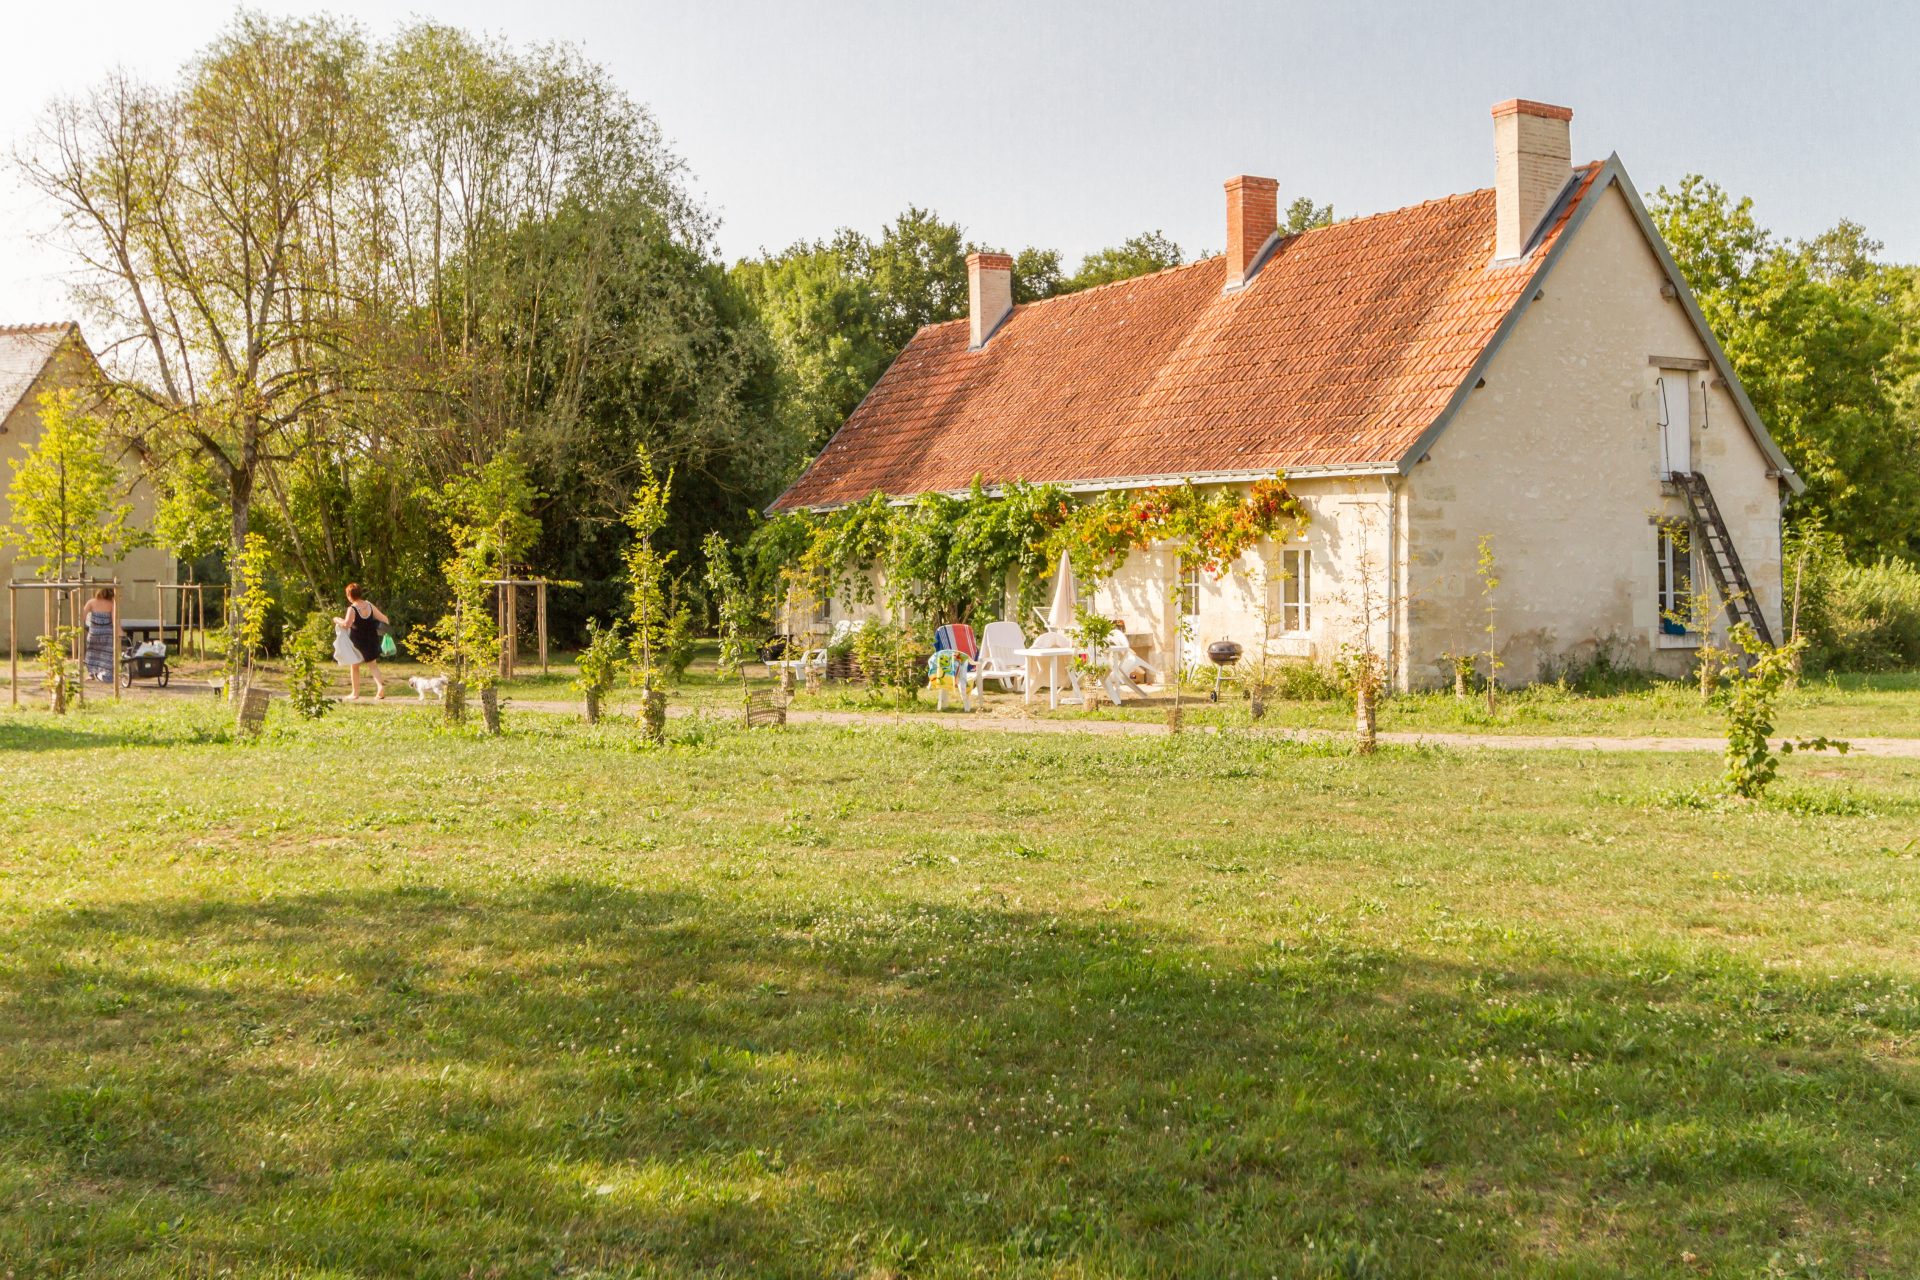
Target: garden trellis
(950,557)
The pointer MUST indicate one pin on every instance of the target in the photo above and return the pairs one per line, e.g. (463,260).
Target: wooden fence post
(113,641)
(540,619)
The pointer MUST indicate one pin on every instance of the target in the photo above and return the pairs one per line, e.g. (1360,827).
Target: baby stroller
(145,662)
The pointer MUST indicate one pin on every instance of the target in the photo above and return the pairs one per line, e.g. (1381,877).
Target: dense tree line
(333,275)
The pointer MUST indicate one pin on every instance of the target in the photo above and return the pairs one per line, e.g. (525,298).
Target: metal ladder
(1723,562)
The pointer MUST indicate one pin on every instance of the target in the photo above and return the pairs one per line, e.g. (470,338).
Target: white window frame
(1293,591)
(1673,584)
(1190,591)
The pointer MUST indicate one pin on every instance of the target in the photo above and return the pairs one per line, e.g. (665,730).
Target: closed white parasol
(1060,614)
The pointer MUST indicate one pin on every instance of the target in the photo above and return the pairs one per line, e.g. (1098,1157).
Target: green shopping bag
(388,649)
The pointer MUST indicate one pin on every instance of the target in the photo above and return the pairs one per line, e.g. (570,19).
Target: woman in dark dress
(362,622)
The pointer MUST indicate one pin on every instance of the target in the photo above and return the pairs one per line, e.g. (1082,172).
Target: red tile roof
(1346,346)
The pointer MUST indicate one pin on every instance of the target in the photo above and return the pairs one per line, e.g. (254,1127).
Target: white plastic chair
(997,660)
(1119,657)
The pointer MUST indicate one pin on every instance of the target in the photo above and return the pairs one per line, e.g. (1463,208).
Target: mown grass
(370,997)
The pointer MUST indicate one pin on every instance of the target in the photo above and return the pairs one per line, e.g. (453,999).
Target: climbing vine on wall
(950,557)
(1211,529)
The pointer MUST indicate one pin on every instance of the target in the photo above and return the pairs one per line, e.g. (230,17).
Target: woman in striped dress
(97,615)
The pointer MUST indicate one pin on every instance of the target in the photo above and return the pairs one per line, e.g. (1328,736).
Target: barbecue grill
(1223,654)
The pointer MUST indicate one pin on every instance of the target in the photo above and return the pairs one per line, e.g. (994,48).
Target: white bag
(343,651)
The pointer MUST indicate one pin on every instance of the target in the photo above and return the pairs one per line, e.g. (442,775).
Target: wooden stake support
(506,614)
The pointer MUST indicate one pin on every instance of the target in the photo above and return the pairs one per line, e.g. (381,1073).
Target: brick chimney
(989,295)
(1534,162)
(1253,212)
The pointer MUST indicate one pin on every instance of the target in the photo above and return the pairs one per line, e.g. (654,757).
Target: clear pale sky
(1076,125)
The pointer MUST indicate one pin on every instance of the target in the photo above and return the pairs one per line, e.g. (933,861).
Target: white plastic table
(1054,657)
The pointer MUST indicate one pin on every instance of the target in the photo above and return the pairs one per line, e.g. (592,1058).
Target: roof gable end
(1613,173)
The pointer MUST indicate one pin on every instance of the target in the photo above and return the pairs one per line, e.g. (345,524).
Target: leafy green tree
(1304,215)
(1037,274)
(65,491)
(200,212)
(918,272)
(189,509)
(1138,255)
(820,313)
(489,522)
(733,607)
(599,660)
(252,605)
(650,611)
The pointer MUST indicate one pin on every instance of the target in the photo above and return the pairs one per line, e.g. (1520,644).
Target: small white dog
(429,686)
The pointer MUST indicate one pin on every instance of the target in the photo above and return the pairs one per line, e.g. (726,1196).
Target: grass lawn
(368,997)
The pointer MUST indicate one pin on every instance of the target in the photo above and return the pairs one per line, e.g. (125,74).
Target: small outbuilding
(34,359)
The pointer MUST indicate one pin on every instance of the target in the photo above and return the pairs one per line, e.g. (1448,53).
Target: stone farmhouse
(34,359)
(1522,363)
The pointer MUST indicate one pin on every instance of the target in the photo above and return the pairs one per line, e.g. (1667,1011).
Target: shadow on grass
(78,730)
(579,1079)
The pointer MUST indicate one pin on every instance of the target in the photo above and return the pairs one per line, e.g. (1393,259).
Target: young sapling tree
(650,616)
(248,637)
(59,674)
(1752,694)
(732,605)
(308,652)
(600,662)
(489,521)
(64,492)
(1487,570)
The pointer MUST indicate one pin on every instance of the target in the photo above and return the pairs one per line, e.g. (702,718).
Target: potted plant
(1093,636)
(841,659)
